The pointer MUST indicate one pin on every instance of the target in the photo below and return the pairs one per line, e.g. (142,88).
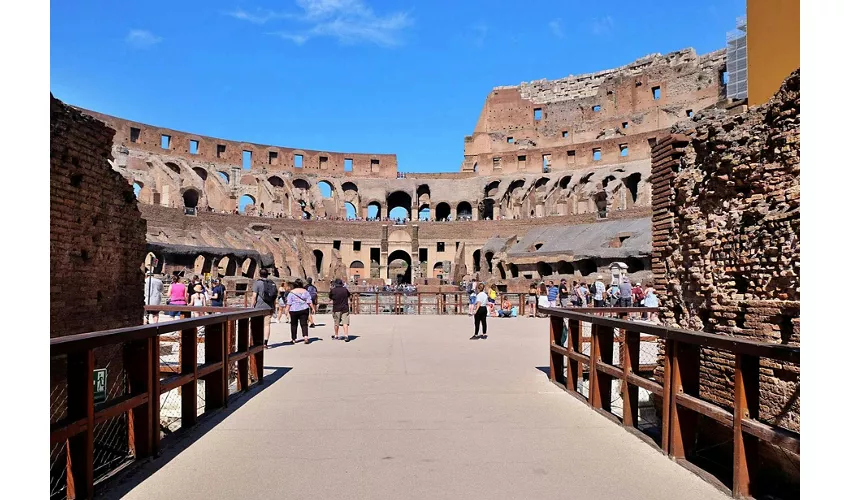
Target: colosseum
(554,182)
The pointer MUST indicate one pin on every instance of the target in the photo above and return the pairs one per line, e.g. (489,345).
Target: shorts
(531,300)
(281,302)
(341,318)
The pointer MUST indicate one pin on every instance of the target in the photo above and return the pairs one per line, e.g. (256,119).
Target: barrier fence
(615,375)
(159,378)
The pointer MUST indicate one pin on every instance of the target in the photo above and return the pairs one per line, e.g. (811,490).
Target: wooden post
(684,378)
(377,306)
(630,360)
(602,349)
(257,336)
(80,447)
(140,422)
(418,303)
(745,446)
(556,360)
(215,384)
(667,397)
(153,370)
(189,364)
(242,346)
(574,372)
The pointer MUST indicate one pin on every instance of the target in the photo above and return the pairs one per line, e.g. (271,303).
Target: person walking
(282,291)
(153,296)
(480,316)
(265,292)
(178,295)
(597,289)
(339,295)
(217,293)
(531,300)
(625,292)
(314,297)
(299,303)
(564,293)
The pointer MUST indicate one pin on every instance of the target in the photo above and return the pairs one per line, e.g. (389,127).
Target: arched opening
(356,265)
(349,186)
(491,189)
(244,201)
(198,267)
(601,200)
(443,211)
(350,210)
(631,183)
(438,270)
(489,258)
(464,210)
(153,263)
(540,184)
(373,210)
(173,167)
(633,265)
(513,270)
(487,212)
(301,184)
(544,269)
(585,266)
(326,189)
(227,266)
(476,261)
(224,177)
(424,212)
(190,198)
(398,266)
(201,173)
(276,181)
(399,204)
(501,268)
(137,188)
(319,258)
(565,267)
(475,167)
(249,268)
(423,194)
(357,270)
(565,181)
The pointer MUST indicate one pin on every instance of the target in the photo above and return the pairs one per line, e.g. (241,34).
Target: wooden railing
(140,402)
(679,390)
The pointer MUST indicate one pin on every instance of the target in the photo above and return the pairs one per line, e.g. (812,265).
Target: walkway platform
(412,408)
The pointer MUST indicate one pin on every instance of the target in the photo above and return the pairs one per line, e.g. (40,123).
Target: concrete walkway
(413,409)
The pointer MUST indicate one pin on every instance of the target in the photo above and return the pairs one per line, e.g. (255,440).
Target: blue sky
(373,76)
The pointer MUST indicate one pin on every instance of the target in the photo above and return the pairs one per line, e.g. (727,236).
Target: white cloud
(349,21)
(555,27)
(142,39)
(602,26)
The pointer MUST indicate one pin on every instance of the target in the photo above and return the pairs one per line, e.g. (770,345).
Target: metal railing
(132,414)
(679,391)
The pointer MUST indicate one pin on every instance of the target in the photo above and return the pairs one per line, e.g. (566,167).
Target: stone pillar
(475,212)
(384,263)
(453,213)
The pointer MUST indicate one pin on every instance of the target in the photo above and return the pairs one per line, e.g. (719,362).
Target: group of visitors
(579,294)
(192,292)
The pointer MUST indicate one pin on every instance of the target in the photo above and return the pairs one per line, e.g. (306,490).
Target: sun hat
(198,288)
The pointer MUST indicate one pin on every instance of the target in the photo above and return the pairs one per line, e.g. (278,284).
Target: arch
(198,267)
(541,183)
(476,261)
(544,269)
(475,167)
(492,188)
(398,201)
(373,210)
(173,166)
(227,266)
(276,181)
(356,265)
(224,176)
(464,210)
(438,268)
(586,266)
(326,188)
(137,188)
(202,173)
(244,201)
(349,186)
(350,210)
(488,256)
(514,186)
(565,267)
(301,184)
(190,198)
(513,270)
(319,256)
(424,212)
(249,267)
(501,268)
(443,211)
(632,183)
(565,181)
(423,194)
(487,212)
(393,270)
(634,264)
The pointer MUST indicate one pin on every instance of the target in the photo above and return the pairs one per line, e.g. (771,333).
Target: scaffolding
(736,60)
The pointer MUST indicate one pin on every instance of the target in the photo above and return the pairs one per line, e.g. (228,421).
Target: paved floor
(413,409)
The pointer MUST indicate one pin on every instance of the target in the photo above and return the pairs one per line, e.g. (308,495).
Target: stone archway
(398,272)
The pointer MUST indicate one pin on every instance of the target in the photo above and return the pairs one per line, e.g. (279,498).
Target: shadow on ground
(120,484)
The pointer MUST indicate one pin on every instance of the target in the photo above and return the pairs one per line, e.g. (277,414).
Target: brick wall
(726,236)
(97,234)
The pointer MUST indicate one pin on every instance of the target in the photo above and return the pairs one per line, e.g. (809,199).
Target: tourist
(471,288)
(299,304)
(480,316)
(280,303)
(178,295)
(575,294)
(265,292)
(552,294)
(198,299)
(651,300)
(217,293)
(625,292)
(564,293)
(339,295)
(597,290)
(531,301)
(584,294)
(613,295)
(314,296)
(637,295)
(153,296)
(542,297)
(505,310)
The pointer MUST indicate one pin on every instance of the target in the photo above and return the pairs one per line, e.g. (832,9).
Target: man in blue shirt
(552,294)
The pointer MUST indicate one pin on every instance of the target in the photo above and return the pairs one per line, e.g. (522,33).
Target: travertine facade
(726,233)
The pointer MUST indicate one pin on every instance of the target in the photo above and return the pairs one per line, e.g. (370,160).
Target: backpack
(593,288)
(313,292)
(269,291)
